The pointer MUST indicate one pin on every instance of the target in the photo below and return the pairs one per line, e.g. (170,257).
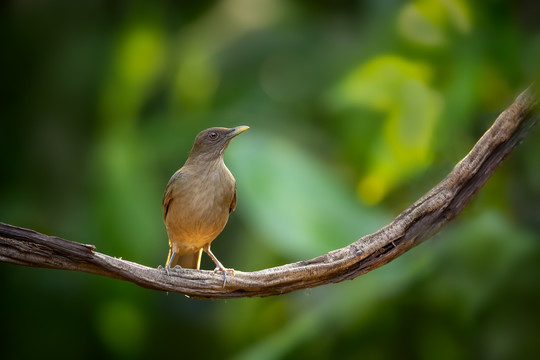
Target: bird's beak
(236,131)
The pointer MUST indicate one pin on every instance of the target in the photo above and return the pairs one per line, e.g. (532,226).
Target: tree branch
(419,221)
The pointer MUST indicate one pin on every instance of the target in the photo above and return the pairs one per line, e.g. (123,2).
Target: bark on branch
(419,221)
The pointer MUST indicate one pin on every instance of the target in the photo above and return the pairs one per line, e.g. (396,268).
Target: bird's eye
(213,135)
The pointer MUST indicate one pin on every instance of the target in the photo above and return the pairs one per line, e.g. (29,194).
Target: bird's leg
(219,266)
(168,266)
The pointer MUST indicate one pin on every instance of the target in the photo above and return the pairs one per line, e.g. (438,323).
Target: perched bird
(199,198)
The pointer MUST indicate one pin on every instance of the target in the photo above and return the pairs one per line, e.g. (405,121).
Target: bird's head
(211,143)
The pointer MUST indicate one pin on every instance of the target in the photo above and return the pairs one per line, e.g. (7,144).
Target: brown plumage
(199,198)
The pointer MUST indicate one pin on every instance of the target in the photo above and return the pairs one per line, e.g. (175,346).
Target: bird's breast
(199,209)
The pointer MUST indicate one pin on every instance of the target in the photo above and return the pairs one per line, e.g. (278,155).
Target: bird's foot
(168,269)
(225,271)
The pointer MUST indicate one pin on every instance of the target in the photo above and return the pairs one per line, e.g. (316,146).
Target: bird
(198,200)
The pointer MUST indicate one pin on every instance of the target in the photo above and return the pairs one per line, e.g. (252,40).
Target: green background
(356,109)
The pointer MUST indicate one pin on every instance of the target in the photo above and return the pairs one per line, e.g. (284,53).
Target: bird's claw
(224,271)
(167,269)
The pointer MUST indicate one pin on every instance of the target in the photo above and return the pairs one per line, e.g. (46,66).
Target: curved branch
(420,220)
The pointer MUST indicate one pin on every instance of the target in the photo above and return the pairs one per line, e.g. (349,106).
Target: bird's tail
(189,261)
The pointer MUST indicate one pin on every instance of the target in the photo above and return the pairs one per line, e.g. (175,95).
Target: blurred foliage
(356,108)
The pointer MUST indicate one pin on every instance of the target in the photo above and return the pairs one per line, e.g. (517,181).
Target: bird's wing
(168,196)
(233,202)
